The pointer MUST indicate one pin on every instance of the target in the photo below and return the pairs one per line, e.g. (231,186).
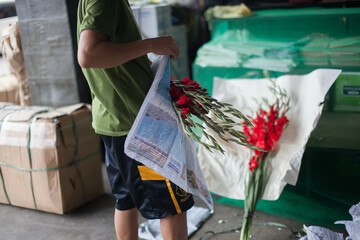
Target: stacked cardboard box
(153,20)
(180,67)
(324,51)
(48,52)
(50,158)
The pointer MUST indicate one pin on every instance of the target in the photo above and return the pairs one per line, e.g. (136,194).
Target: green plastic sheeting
(295,41)
(289,24)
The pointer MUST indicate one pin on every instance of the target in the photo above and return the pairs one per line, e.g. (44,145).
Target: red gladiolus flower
(186,81)
(253,163)
(270,144)
(282,121)
(186,110)
(266,130)
(183,100)
(175,93)
(263,113)
(261,144)
(257,153)
(273,114)
(195,84)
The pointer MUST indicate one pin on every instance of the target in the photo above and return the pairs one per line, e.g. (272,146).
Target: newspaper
(158,141)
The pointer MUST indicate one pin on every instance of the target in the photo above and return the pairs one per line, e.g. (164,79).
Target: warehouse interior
(52,169)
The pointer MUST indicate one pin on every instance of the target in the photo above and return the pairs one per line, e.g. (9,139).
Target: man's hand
(164,46)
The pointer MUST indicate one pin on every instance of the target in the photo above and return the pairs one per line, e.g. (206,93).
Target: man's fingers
(176,52)
(165,45)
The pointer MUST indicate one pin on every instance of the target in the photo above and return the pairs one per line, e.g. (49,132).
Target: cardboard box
(50,158)
(9,89)
(154,20)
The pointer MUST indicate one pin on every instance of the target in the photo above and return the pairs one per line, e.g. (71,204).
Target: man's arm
(94,50)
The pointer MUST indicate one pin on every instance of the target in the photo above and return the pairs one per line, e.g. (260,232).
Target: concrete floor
(95,221)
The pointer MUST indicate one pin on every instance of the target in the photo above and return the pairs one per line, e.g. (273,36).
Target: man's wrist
(148,45)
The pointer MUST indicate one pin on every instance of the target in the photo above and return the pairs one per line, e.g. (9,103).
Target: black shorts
(135,185)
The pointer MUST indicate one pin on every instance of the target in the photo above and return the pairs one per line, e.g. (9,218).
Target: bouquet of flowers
(191,101)
(260,133)
(268,125)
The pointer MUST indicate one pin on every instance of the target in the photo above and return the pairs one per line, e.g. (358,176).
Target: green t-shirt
(117,93)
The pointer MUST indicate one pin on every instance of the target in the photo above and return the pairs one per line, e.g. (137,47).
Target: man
(113,58)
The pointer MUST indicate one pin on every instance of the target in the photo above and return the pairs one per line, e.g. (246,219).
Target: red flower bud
(253,164)
(270,144)
(273,114)
(257,153)
(183,100)
(282,121)
(186,81)
(175,93)
(186,110)
(195,84)
(263,113)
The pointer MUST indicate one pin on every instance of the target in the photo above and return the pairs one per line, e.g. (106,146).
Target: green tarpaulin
(297,41)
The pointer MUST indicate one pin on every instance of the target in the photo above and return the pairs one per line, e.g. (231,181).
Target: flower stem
(253,193)
(246,227)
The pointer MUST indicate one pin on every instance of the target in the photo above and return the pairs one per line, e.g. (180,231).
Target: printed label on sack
(351,90)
